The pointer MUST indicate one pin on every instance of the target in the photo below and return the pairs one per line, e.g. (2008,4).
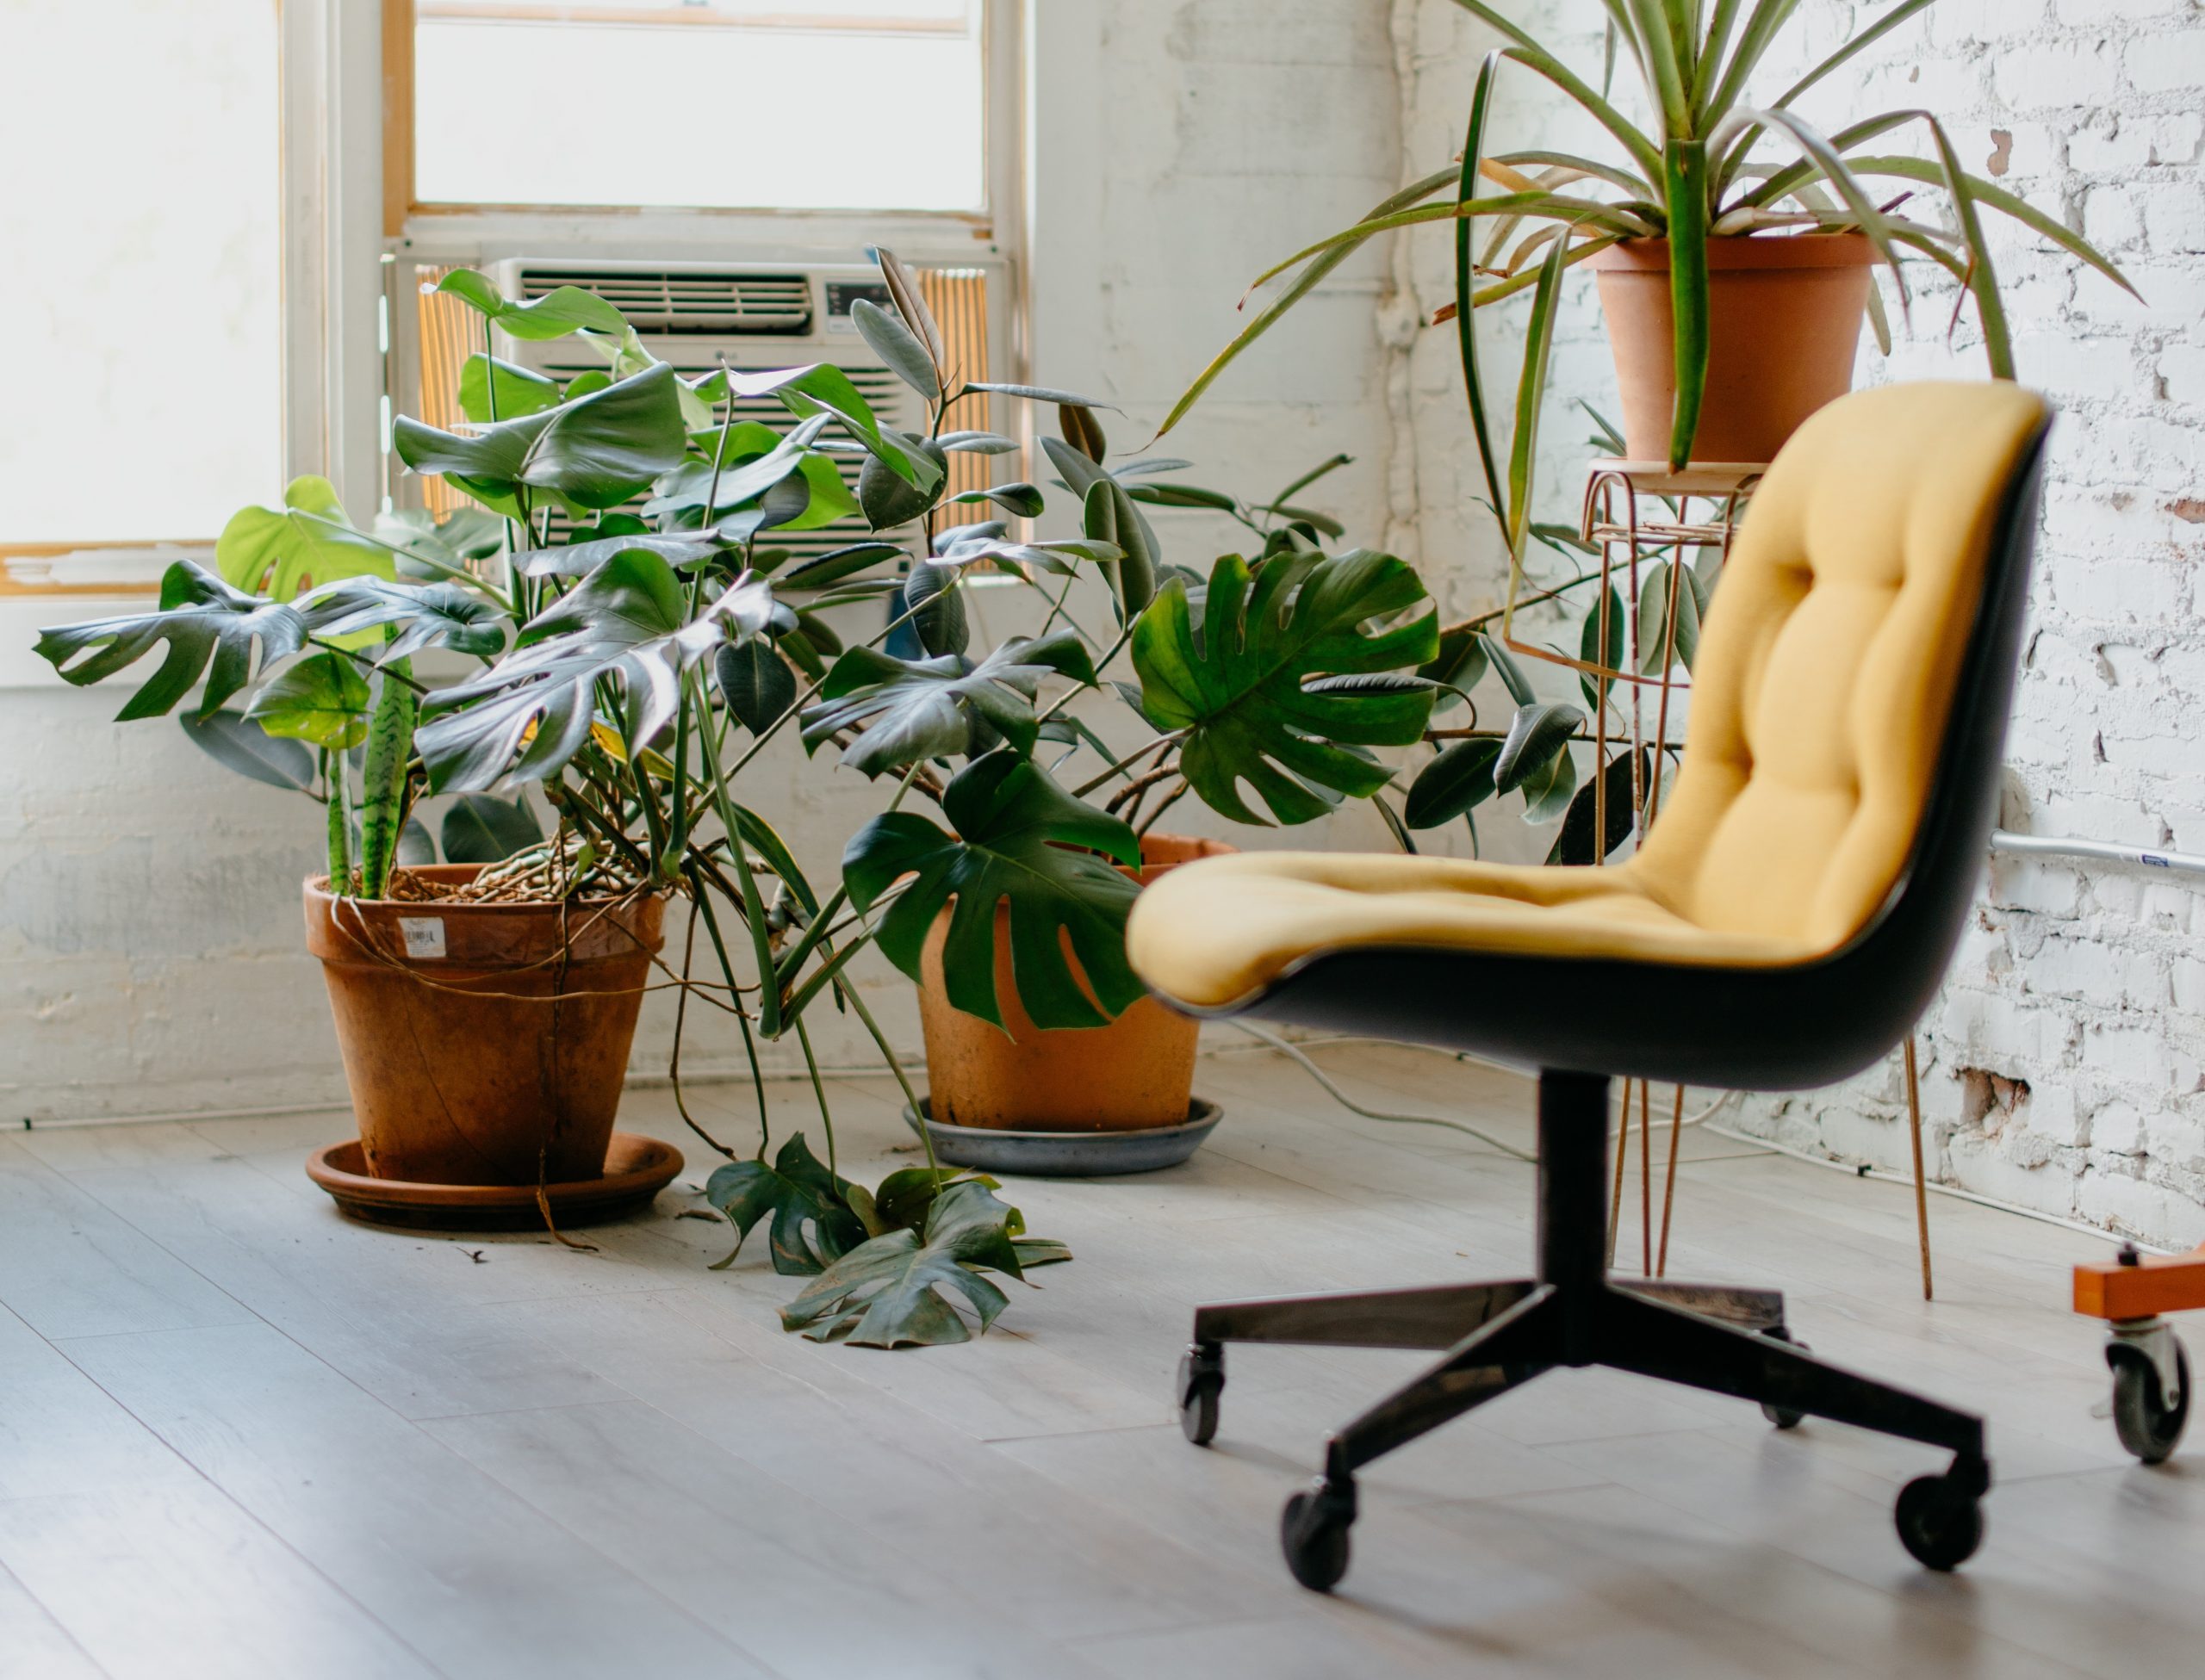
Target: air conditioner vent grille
(681,299)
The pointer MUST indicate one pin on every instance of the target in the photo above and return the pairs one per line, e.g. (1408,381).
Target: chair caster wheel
(1783,1417)
(1940,1521)
(2147,1425)
(1312,1532)
(1202,1380)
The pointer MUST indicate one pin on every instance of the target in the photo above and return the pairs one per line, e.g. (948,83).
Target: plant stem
(1162,742)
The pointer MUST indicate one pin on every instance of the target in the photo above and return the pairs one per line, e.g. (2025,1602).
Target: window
(719,104)
(139,212)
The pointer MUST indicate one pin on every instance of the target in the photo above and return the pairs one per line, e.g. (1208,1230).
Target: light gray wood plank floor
(241,1436)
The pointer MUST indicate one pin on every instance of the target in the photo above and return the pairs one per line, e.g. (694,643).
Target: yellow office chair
(1785,923)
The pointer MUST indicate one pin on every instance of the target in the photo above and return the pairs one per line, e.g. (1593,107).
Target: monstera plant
(585,668)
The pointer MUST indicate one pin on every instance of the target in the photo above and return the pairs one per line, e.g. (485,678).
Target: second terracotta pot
(476,1054)
(1786,315)
(1135,1074)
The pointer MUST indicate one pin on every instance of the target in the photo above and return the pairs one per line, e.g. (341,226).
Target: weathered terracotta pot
(1136,1073)
(505,1068)
(1786,317)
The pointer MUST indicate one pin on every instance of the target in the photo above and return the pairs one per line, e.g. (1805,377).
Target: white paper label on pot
(424,935)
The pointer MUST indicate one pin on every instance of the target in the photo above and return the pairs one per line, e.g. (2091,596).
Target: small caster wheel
(1202,1380)
(1312,1532)
(2147,1425)
(1783,1417)
(1939,1521)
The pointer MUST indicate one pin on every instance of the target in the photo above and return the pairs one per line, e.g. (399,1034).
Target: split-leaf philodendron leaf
(595,451)
(207,626)
(1015,832)
(627,622)
(1238,692)
(911,709)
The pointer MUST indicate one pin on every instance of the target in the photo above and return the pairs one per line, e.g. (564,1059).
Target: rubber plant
(1710,162)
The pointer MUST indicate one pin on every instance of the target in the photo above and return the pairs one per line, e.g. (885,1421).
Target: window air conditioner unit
(696,316)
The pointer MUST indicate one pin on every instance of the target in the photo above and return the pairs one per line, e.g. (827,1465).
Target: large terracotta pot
(1786,327)
(1135,1074)
(505,1067)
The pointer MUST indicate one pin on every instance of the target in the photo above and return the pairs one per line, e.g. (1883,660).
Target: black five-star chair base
(1497,1336)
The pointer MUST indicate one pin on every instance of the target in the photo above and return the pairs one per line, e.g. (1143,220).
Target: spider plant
(1711,163)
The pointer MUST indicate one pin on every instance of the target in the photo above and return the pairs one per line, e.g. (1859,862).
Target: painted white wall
(150,957)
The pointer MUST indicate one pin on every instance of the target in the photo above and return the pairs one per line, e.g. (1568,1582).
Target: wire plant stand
(1647,523)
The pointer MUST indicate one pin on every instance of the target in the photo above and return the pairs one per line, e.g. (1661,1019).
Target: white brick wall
(2062,1067)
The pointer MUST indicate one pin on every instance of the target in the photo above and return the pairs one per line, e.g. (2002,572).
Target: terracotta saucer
(636,1169)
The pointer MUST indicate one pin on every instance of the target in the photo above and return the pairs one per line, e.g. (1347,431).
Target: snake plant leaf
(283,552)
(562,310)
(898,347)
(627,624)
(322,701)
(595,451)
(912,710)
(491,390)
(889,1291)
(1454,783)
(812,1225)
(1238,694)
(1536,733)
(433,615)
(250,750)
(479,828)
(1014,833)
(756,681)
(207,628)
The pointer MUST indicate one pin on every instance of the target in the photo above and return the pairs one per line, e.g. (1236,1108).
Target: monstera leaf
(812,1223)
(281,553)
(208,627)
(925,709)
(1239,690)
(430,616)
(626,622)
(892,1292)
(595,451)
(1013,828)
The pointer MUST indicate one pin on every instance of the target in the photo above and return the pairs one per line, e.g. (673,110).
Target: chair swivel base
(1496,1336)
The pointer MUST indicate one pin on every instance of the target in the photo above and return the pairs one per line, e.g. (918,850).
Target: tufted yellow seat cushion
(1820,696)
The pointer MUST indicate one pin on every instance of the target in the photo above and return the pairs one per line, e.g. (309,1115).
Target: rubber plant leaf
(322,701)
(250,750)
(595,451)
(811,1223)
(434,614)
(207,628)
(1013,843)
(626,623)
(1536,733)
(893,1291)
(756,682)
(1238,692)
(908,710)
(482,829)
(283,552)
(1453,784)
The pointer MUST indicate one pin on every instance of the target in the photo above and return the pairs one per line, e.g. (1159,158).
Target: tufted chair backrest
(1826,674)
